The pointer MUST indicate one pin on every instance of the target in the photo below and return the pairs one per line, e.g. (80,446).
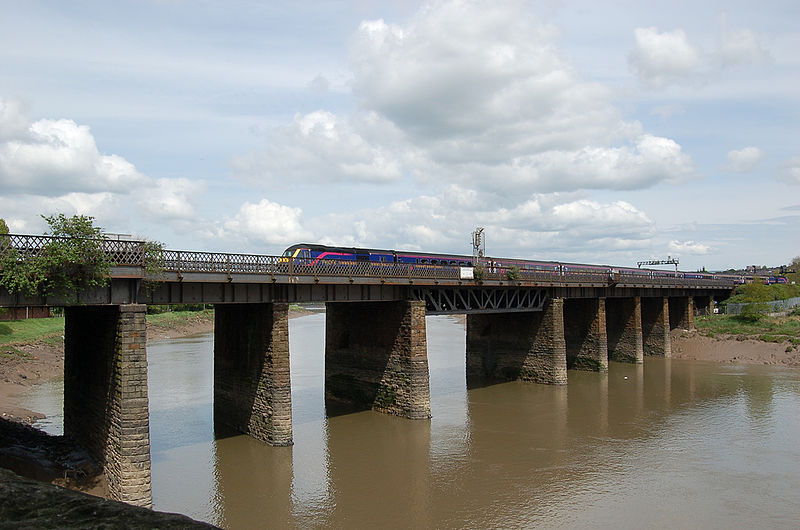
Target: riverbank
(773,340)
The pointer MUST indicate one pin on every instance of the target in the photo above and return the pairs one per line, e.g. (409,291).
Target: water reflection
(664,443)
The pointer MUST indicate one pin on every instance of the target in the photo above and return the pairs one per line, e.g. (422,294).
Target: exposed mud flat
(731,349)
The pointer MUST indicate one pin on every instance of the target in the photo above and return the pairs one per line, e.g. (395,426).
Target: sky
(599,132)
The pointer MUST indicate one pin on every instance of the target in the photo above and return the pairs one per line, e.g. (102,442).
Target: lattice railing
(132,253)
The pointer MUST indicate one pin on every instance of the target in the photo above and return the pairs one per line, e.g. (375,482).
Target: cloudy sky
(606,132)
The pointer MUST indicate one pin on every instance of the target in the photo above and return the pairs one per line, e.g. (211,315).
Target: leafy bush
(753,312)
(479,272)
(514,274)
(72,261)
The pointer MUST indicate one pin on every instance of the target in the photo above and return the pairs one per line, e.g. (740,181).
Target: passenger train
(311,254)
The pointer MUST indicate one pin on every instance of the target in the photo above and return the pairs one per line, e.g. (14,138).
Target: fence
(775,306)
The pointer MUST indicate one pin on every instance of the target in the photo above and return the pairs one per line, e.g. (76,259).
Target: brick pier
(376,357)
(510,346)
(105,394)
(681,312)
(655,326)
(585,334)
(252,392)
(624,323)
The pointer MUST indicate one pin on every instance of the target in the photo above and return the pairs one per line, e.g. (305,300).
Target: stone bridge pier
(624,324)
(585,334)
(681,312)
(105,394)
(655,327)
(376,357)
(528,346)
(252,391)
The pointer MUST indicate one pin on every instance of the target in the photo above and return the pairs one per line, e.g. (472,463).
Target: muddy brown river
(677,444)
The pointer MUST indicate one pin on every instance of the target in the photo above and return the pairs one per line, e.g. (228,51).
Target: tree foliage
(3,226)
(73,260)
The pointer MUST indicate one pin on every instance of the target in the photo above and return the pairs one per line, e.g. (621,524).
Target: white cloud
(688,247)
(660,57)
(790,172)
(170,199)
(474,94)
(548,226)
(740,46)
(667,111)
(320,147)
(52,157)
(266,222)
(13,122)
(743,160)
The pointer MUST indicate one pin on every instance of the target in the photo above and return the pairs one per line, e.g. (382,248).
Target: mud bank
(731,349)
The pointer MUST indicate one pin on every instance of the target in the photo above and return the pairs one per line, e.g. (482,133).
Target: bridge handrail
(131,253)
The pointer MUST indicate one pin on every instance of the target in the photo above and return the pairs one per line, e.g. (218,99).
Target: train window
(423,261)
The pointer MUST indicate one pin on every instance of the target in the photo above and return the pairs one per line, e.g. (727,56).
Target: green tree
(3,226)
(73,260)
(795,266)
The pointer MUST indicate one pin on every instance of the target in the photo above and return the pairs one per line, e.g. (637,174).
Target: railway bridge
(531,326)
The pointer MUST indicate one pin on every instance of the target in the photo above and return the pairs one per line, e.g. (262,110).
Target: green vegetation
(49,330)
(514,274)
(478,272)
(758,292)
(766,328)
(64,266)
(3,226)
(176,319)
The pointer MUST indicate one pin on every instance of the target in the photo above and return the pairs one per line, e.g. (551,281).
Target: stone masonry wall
(252,387)
(655,326)
(681,312)
(585,334)
(376,357)
(509,346)
(105,394)
(624,324)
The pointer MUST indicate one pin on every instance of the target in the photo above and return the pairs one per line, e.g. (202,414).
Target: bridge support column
(376,357)
(681,312)
(252,391)
(526,346)
(655,327)
(624,320)
(105,394)
(585,334)
(703,305)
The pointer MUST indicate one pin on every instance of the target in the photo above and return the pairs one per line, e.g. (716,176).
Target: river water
(669,444)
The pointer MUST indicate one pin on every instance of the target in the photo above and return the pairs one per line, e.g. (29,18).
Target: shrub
(72,261)
(514,274)
(753,312)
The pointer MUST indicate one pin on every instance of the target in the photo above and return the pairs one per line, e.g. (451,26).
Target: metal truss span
(455,300)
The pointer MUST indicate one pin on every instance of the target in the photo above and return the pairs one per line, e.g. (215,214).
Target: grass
(176,319)
(768,329)
(51,330)
(17,332)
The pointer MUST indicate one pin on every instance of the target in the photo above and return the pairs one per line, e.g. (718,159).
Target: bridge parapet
(129,259)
